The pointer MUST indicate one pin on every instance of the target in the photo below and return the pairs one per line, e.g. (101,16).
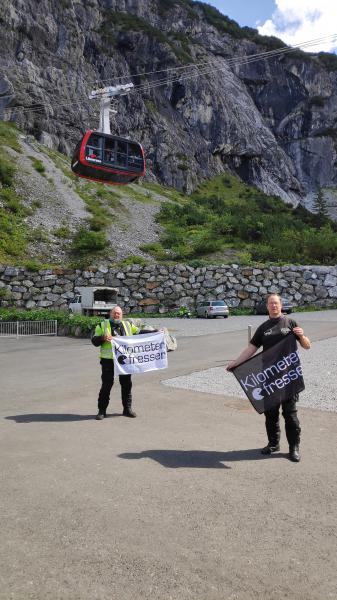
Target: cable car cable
(234,62)
(165,81)
(204,63)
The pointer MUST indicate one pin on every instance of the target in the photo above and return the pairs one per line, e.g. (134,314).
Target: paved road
(196,327)
(177,504)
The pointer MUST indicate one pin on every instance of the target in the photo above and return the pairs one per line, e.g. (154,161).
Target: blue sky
(245,12)
(293,21)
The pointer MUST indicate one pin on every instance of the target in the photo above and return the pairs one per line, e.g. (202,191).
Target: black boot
(294,453)
(126,387)
(128,412)
(270,449)
(100,416)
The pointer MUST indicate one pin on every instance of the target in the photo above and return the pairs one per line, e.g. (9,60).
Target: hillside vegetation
(225,215)
(48,216)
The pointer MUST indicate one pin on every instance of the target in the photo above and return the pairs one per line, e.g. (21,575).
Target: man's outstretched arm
(245,354)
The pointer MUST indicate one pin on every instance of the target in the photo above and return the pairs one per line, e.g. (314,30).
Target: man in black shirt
(269,333)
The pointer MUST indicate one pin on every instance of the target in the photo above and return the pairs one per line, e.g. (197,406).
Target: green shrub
(155,249)
(197,262)
(86,324)
(123,21)
(224,214)
(39,234)
(241,311)
(328,60)
(13,238)
(38,165)
(205,245)
(36,204)
(245,257)
(130,22)
(134,260)
(9,136)
(99,223)
(12,202)
(7,170)
(5,294)
(227,181)
(88,242)
(321,246)
(32,265)
(63,232)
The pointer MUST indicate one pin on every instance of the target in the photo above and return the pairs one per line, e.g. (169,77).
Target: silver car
(212,308)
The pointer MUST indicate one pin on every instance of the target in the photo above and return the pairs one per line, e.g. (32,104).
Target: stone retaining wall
(156,288)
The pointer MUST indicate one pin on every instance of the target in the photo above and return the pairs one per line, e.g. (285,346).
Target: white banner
(139,353)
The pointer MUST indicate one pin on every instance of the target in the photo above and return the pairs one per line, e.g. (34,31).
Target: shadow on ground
(54,417)
(200,459)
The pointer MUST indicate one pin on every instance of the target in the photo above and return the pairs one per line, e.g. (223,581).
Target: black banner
(272,376)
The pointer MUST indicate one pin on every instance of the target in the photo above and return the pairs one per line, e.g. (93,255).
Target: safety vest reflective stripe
(106,347)
(127,327)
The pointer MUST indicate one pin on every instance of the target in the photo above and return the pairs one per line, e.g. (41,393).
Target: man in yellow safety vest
(102,337)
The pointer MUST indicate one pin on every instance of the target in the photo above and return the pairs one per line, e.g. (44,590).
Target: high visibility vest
(104,328)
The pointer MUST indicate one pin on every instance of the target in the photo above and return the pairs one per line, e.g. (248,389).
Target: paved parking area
(177,504)
(196,327)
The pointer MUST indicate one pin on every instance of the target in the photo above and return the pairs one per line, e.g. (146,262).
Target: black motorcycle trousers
(108,375)
(292,424)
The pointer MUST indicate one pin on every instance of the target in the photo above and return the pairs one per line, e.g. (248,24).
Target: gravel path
(134,227)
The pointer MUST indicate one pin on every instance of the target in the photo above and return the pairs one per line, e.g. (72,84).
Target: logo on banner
(140,353)
(257,394)
(273,378)
(121,359)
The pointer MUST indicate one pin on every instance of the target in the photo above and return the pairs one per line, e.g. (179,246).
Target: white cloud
(296,21)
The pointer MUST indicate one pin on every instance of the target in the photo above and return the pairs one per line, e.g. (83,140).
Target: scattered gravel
(134,227)
(321,384)
(58,201)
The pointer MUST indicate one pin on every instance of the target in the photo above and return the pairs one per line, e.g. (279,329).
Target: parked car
(261,307)
(212,308)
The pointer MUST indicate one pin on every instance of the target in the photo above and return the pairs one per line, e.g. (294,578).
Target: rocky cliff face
(272,122)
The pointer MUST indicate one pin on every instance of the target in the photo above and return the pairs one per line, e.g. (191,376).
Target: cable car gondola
(107,158)
(101,156)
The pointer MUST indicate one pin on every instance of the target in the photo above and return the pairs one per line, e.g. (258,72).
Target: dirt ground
(177,504)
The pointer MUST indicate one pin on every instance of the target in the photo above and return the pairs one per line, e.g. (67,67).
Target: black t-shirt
(272,331)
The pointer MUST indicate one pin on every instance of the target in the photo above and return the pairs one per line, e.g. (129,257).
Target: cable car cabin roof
(108,159)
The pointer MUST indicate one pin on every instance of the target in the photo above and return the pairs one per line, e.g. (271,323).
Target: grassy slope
(223,221)
(89,243)
(13,233)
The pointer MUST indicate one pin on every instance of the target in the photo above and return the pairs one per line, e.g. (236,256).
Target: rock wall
(156,288)
(272,122)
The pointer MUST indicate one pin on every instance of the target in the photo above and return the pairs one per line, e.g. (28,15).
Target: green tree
(320,209)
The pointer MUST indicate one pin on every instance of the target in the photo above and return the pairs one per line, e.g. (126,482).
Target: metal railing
(22,328)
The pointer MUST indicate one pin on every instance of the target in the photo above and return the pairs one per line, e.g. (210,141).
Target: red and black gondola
(107,158)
